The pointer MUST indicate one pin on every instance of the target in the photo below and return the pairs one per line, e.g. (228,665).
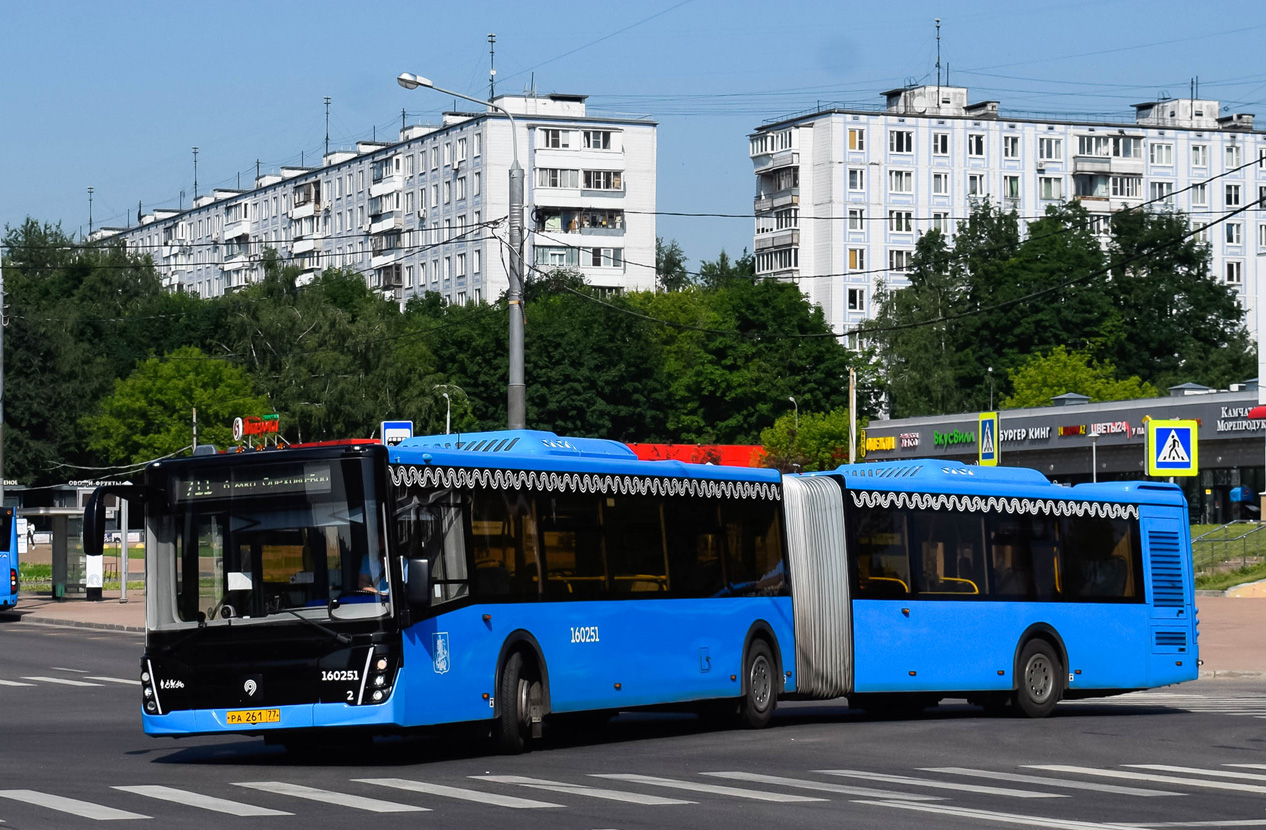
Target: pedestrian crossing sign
(1171,448)
(988,440)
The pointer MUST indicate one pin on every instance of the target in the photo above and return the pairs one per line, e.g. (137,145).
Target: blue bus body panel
(957,646)
(9,562)
(657,651)
(298,716)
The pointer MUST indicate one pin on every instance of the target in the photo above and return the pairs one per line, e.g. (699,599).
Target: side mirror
(94,522)
(419,583)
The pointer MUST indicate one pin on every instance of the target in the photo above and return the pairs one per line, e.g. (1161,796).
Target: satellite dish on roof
(920,104)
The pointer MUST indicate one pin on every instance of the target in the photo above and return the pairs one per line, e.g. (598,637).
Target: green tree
(670,266)
(723,269)
(1043,377)
(149,413)
(814,441)
(1178,322)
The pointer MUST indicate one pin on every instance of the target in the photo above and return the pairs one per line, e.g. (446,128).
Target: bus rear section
(997,586)
(8,559)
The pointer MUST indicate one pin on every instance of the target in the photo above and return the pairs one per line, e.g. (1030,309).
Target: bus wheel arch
(1039,672)
(521,693)
(762,676)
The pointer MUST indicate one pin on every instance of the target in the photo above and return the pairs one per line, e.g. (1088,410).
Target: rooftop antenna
(195,174)
(327,125)
(90,210)
(938,62)
(256,171)
(492,67)
(402,119)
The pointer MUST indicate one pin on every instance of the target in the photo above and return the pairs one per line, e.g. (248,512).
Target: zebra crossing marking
(823,786)
(357,802)
(943,785)
(205,802)
(699,787)
(83,809)
(1004,818)
(1143,776)
(1020,778)
(14,683)
(61,681)
(479,797)
(581,789)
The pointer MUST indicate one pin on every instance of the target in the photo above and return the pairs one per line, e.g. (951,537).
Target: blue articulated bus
(510,578)
(8,558)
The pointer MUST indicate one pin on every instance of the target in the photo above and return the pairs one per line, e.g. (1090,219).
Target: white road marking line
(1005,818)
(63,668)
(61,680)
(699,787)
(358,802)
(1246,766)
(941,785)
(14,683)
(1019,778)
(823,786)
(1143,776)
(457,792)
(205,802)
(116,680)
(581,789)
(1244,822)
(1216,773)
(84,809)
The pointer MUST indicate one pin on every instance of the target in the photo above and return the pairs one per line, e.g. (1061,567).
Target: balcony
(236,229)
(390,221)
(1108,164)
(385,257)
(236,261)
(388,184)
(303,211)
(771,161)
(777,239)
(303,245)
(778,199)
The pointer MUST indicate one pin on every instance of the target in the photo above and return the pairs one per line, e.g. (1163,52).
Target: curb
(1230,674)
(98,626)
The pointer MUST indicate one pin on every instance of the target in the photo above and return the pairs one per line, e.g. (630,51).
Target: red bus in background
(726,455)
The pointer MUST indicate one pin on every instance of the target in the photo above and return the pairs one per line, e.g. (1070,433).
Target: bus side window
(636,544)
(883,561)
(1102,559)
(950,561)
(1010,558)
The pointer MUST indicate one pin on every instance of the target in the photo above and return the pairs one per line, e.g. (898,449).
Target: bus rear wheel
(517,693)
(1040,683)
(760,684)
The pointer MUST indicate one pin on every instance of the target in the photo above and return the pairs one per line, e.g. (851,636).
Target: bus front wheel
(760,681)
(517,692)
(1040,684)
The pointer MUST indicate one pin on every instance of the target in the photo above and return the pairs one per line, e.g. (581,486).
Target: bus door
(8,558)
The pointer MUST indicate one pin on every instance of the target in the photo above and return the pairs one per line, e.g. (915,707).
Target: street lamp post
(448,413)
(515,391)
(797,406)
(1094,459)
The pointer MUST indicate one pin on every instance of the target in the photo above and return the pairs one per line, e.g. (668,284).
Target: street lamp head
(1093,436)
(410,81)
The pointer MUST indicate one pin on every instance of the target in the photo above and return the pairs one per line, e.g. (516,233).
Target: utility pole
(852,415)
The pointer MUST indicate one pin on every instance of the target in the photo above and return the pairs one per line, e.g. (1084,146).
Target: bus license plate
(249,716)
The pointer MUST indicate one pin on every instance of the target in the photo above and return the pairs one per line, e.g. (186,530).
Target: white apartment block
(843,194)
(428,213)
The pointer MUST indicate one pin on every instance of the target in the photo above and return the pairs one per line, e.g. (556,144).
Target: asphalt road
(73,754)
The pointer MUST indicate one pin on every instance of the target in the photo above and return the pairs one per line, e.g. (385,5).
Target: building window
(940,184)
(448,268)
(1131,187)
(940,221)
(1010,146)
(1234,233)
(857,259)
(900,181)
(782,259)
(857,299)
(900,221)
(602,180)
(551,177)
(1200,155)
(899,260)
(1162,192)
(461,187)
(605,257)
(1200,195)
(1050,149)
(976,184)
(475,184)
(448,153)
(857,179)
(556,139)
(460,266)
(435,271)
(474,261)
(1232,195)
(1050,188)
(1232,156)
(1234,273)
(1162,154)
(435,158)
(408,276)
(461,149)
(448,192)
(597,139)
(479,145)
(900,141)
(1011,187)
(975,144)
(783,220)
(856,219)
(857,139)
(940,144)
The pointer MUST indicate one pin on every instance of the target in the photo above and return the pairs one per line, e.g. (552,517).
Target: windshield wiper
(338,636)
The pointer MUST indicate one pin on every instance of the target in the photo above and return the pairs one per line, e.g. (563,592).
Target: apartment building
(428,213)
(842,194)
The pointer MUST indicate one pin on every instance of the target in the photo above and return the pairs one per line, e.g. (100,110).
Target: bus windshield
(249,540)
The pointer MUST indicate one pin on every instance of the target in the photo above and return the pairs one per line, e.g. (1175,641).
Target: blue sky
(115,95)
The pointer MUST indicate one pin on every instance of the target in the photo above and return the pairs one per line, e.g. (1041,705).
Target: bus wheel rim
(1037,675)
(760,682)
